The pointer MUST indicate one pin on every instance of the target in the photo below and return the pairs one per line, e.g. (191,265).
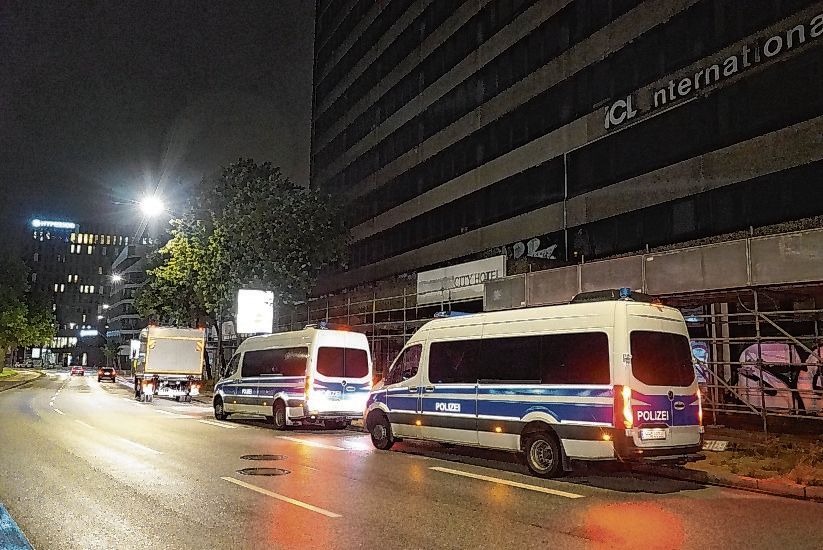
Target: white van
(600,380)
(310,376)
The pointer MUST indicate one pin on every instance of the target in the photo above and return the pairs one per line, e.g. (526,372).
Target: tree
(110,349)
(25,319)
(247,226)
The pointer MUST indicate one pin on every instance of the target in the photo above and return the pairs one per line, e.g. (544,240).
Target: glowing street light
(106,306)
(152,206)
(116,278)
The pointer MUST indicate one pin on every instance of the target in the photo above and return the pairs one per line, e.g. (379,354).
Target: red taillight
(699,407)
(623,407)
(307,389)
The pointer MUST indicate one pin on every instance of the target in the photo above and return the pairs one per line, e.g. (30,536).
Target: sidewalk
(783,465)
(18,377)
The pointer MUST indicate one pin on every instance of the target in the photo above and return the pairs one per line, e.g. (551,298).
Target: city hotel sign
(459,282)
(627,108)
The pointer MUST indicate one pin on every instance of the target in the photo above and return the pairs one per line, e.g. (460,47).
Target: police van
(605,377)
(312,376)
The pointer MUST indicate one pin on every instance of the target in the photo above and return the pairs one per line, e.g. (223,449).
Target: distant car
(106,373)
(79,371)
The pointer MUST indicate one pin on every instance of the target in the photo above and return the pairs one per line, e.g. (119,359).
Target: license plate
(653,433)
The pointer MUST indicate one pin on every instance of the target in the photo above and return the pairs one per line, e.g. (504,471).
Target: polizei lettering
(447,407)
(653,416)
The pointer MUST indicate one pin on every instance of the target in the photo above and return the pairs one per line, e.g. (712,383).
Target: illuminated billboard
(255,311)
(53,224)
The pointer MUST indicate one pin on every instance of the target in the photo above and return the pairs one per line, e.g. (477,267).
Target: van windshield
(342,362)
(661,358)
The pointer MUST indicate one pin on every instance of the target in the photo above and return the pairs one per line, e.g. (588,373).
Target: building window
(36,256)
(108,239)
(55,287)
(100,270)
(84,317)
(91,248)
(33,277)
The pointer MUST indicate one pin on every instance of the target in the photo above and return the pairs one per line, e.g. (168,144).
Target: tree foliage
(25,319)
(247,226)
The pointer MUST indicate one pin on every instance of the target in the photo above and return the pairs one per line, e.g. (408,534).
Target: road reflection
(633,525)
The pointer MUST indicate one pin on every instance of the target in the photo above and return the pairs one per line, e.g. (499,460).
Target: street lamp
(152,206)
(116,278)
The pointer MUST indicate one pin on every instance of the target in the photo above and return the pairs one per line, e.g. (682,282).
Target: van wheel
(219,412)
(380,431)
(279,418)
(542,453)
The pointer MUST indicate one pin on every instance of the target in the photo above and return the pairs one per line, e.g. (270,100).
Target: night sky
(100,100)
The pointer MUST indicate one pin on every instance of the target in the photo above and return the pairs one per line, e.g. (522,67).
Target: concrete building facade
(562,129)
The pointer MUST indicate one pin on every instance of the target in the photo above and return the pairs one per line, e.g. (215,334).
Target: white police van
(604,377)
(311,376)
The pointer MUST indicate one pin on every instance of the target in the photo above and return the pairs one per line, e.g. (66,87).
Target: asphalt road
(82,465)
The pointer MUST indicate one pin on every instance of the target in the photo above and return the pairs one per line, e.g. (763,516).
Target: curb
(23,383)
(766,486)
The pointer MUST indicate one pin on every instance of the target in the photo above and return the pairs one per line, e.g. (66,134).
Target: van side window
(578,358)
(455,361)
(275,362)
(231,368)
(405,366)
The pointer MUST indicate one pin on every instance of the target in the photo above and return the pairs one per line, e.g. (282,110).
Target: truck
(169,363)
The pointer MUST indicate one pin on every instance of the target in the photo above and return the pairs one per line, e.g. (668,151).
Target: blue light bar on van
(445,314)
(624,293)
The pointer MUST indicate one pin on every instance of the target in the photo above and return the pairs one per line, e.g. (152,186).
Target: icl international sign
(458,282)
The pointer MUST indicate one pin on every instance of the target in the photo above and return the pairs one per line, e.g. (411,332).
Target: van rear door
(665,401)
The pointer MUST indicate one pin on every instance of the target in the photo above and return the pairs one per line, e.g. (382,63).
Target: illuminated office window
(55,287)
(36,256)
(100,270)
(54,307)
(69,278)
(92,290)
(62,287)
(84,317)
(108,239)
(91,248)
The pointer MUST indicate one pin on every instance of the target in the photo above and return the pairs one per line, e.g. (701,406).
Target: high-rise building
(559,129)
(123,320)
(70,264)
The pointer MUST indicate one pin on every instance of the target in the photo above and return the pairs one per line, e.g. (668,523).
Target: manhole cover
(263,471)
(263,457)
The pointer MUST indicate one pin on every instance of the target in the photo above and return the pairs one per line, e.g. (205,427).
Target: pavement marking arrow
(266,492)
(507,482)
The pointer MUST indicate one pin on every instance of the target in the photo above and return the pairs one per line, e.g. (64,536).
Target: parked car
(79,371)
(108,373)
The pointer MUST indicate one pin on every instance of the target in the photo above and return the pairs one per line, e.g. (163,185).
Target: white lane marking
(218,424)
(262,491)
(139,446)
(507,482)
(313,443)
(58,411)
(84,424)
(173,414)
